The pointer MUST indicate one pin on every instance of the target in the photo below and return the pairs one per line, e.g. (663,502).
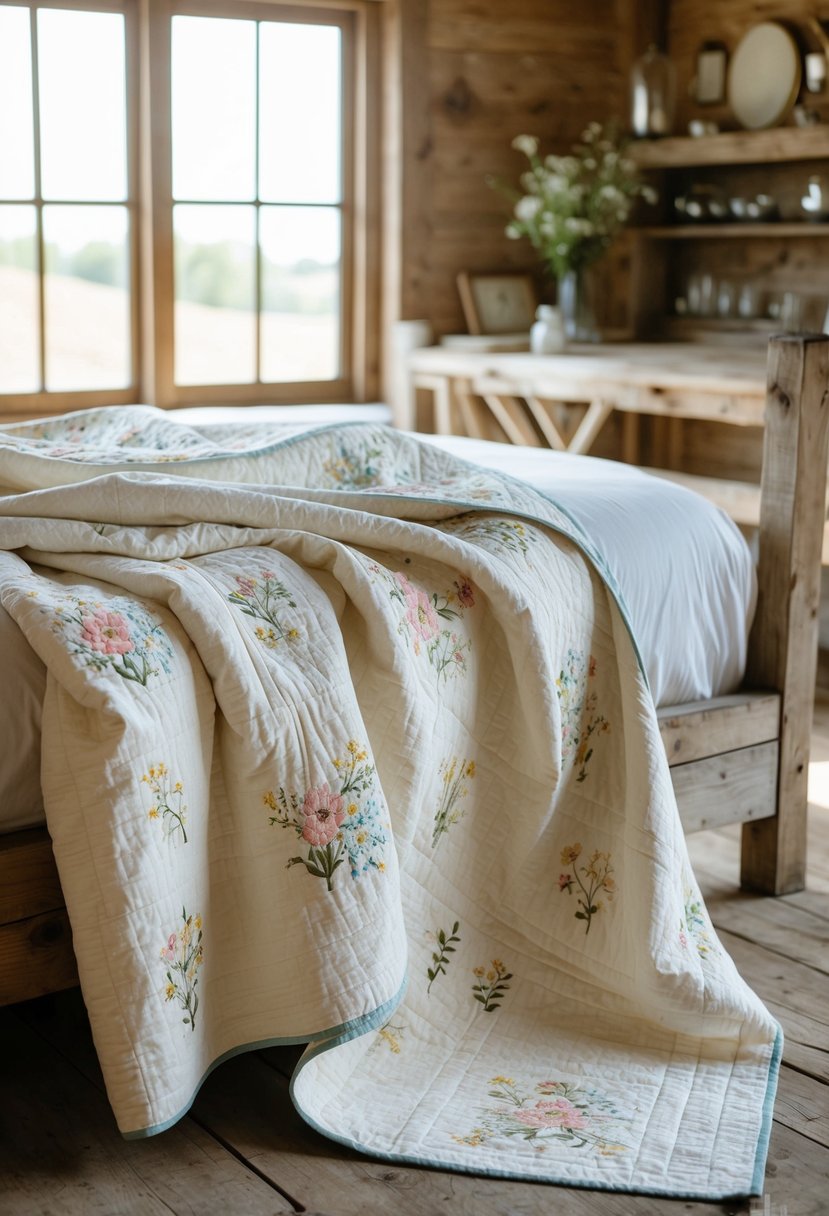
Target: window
(66,210)
(253,249)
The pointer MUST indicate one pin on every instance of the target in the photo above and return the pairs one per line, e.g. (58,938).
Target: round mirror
(764,76)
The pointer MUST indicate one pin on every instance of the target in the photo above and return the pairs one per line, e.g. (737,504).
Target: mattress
(685,573)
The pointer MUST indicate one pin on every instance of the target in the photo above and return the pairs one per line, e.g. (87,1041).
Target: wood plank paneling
(483,73)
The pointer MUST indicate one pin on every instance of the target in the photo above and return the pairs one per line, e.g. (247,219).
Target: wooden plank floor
(243,1150)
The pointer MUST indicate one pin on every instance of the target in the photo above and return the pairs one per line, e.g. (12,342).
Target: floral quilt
(346,742)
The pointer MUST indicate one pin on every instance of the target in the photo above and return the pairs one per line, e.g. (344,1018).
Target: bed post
(782,650)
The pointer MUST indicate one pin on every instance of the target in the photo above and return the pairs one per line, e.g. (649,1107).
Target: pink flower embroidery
(324,813)
(169,951)
(246,586)
(565,882)
(560,1113)
(420,612)
(107,632)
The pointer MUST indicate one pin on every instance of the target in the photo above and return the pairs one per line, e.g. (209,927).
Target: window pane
(82,88)
(17,162)
(19,323)
(87,297)
(214,108)
(215,276)
(299,122)
(300,293)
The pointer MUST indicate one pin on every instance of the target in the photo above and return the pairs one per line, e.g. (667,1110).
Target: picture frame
(498,302)
(711,68)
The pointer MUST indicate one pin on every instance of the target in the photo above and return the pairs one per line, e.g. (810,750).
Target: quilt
(346,742)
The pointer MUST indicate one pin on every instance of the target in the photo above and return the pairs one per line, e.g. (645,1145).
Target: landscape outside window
(257,201)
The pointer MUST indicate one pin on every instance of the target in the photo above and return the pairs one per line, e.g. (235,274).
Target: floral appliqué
(336,825)
(261,598)
(580,722)
(446,944)
(184,956)
(445,649)
(454,775)
(587,881)
(557,1112)
(119,634)
(493,982)
(169,805)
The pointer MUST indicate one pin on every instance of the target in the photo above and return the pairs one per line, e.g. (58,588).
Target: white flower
(528,207)
(571,207)
(578,226)
(527,144)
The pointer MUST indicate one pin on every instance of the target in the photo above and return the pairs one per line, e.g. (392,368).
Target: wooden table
(675,380)
(514,396)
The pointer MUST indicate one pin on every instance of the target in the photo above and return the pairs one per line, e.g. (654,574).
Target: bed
(740,756)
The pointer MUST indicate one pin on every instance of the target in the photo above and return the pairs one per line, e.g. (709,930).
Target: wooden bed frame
(736,759)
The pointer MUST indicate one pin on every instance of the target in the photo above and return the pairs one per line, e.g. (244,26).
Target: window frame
(148,25)
(46,401)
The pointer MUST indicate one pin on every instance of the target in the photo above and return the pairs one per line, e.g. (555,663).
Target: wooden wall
(472,75)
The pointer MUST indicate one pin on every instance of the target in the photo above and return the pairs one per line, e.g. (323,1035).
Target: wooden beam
(597,414)
(29,881)
(512,418)
(703,729)
(36,957)
(736,787)
(783,642)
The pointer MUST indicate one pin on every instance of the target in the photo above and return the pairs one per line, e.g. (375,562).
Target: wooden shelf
(778,144)
(708,231)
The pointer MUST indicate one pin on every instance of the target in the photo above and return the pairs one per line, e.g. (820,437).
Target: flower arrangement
(572,207)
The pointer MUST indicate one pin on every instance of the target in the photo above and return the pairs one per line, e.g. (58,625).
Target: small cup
(748,301)
(726,299)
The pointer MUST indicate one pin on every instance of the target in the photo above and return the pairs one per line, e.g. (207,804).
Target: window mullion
(38,202)
(257,246)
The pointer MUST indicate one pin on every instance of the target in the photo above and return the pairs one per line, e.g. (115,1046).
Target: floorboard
(243,1150)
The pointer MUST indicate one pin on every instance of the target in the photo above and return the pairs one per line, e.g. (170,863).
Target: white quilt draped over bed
(346,741)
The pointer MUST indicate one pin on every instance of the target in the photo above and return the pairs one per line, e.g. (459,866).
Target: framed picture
(709,87)
(497,303)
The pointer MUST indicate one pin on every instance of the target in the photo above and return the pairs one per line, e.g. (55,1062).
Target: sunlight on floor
(819,783)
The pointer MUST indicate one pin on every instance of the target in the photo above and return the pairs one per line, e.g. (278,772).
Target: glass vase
(576,306)
(653,94)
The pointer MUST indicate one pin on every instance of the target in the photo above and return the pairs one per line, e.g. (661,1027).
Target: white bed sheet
(686,574)
(685,570)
